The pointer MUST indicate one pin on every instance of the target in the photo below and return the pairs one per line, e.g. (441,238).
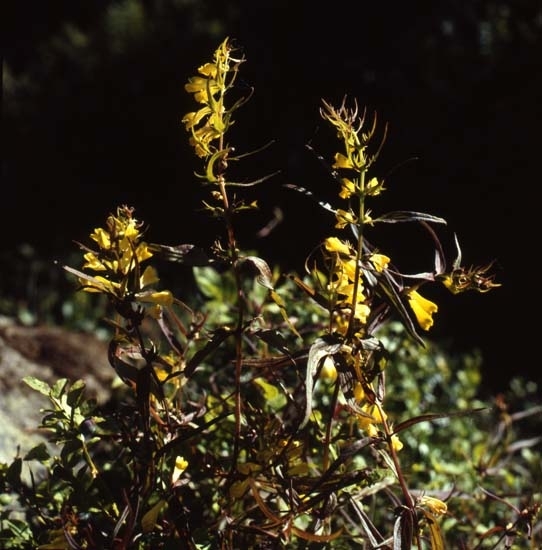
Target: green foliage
(277,410)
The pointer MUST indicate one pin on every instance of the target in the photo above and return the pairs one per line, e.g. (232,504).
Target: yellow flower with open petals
(102,238)
(380,261)
(423,309)
(101,285)
(396,443)
(344,218)
(333,244)
(193,119)
(93,262)
(342,162)
(181,464)
(348,188)
(162,298)
(434,505)
(374,187)
(202,88)
(208,69)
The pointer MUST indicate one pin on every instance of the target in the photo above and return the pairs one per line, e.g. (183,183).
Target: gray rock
(47,353)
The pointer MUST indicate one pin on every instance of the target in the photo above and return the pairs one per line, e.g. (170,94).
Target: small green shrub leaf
(39,452)
(38,385)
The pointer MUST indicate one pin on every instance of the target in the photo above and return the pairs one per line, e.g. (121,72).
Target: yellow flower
(100,284)
(374,187)
(396,443)
(380,261)
(193,119)
(333,244)
(423,309)
(348,188)
(435,505)
(362,313)
(208,69)
(340,322)
(203,89)
(102,238)
(371,429)
(209,88)
(180,466)
(342,162)
(162,298)
(149,277)
(93,262)
(202,137)
(328,373)
(359,392)
(344,218)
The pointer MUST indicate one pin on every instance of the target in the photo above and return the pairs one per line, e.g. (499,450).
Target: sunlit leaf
(319,350)
(400,216)
(38,385)
(265,275)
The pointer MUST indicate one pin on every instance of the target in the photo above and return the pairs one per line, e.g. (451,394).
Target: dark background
(92,99)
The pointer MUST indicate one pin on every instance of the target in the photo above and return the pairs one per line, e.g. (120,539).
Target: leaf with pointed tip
(39,452)
(402,216)
(265,276)
(317,352)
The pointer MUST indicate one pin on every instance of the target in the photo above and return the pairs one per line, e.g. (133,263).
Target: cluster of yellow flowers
(349,297)
(119,257)
(209,123)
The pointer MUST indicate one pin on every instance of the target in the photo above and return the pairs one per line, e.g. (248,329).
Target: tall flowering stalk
(209,126)
(363,289)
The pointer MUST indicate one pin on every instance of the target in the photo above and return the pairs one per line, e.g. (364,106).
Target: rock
(47,353)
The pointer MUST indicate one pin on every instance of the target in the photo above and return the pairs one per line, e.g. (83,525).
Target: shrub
(277,410)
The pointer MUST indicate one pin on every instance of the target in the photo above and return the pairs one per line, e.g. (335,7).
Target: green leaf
(38,385)
(282,308)
(71,452)
(13,474)
(58,388)
(209,282)
(76,392)
(273,397)
(39,452)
